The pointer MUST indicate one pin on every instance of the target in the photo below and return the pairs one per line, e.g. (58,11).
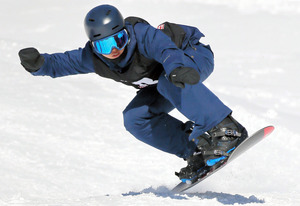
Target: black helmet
(103,21)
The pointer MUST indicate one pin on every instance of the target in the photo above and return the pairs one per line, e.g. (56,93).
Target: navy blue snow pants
(146,117)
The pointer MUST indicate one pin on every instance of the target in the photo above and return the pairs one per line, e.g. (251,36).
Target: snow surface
(62,141)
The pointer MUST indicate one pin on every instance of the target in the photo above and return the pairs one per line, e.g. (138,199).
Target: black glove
(182,75)
(31,59)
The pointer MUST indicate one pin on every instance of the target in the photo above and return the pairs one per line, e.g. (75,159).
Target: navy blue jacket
(152,43)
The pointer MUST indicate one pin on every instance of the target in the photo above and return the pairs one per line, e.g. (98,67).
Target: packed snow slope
(62,141)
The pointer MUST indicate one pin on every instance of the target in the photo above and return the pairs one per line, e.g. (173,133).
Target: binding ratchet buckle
(232,133)
(220,153)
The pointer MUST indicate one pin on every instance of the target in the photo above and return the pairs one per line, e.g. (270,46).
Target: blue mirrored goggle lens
(105,46)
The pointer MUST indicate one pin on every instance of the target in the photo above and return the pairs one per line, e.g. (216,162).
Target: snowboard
(240,149)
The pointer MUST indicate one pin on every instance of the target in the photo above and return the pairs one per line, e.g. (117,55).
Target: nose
(114,50)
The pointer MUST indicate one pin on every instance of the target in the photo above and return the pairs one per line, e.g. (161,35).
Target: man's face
(115,53)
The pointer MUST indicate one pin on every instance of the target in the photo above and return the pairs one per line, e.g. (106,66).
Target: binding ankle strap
(226,132)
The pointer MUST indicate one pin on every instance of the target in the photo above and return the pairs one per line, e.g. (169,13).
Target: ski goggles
(106,45)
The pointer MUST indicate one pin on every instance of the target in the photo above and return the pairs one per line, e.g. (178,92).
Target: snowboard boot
(191,171)
(212,147)
(195,162)
(221,140)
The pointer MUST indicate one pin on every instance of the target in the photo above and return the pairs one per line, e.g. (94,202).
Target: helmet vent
(92,20)
(115,27)
(96,35)
(108,12)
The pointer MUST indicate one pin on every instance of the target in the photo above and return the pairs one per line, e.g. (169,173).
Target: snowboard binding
(213,149)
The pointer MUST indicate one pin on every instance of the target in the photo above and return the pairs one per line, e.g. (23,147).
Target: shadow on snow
(224,198)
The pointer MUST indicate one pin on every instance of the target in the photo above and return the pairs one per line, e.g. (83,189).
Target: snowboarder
(168,65)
